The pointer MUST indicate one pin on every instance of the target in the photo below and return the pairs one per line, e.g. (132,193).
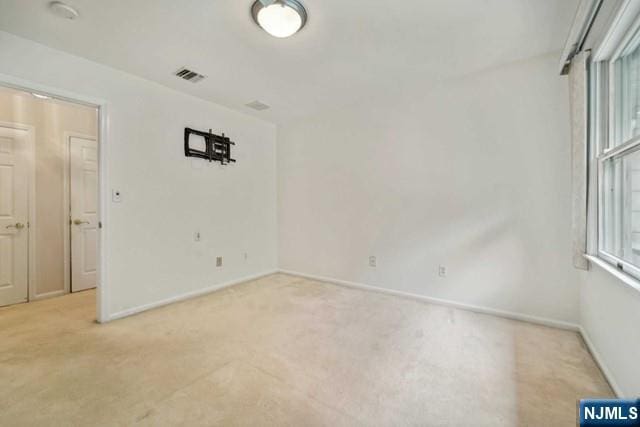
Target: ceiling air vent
(188,75)
(257,105)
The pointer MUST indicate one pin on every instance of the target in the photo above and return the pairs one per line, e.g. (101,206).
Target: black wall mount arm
(217,147)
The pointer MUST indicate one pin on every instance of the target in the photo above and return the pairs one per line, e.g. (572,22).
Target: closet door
(14,215)
(83,174)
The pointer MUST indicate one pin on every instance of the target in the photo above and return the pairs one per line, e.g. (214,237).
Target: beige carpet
(287,351)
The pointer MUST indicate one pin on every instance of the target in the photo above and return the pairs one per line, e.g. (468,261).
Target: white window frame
(602,86)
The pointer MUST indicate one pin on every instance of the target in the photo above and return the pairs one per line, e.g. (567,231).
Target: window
(626,94)
(616,111)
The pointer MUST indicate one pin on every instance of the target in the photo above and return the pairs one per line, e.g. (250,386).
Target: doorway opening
(49,196)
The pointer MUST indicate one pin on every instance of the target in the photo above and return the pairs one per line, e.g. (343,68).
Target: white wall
(473,175)
(166,199)
(610,317)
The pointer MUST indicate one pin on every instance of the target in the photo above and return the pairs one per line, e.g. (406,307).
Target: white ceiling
(349,50)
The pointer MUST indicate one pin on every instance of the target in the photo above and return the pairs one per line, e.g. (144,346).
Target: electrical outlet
(442,271)
(372,261)
(219,261)
(196,236)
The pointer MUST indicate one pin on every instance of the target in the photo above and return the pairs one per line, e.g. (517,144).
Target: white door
(14,214)
(83,177)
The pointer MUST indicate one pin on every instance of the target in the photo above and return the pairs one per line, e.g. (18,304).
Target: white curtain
(578,86)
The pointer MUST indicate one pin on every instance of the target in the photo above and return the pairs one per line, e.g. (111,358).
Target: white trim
(620,265)
(64,95)
(600,362)
(102,294)
(623,30)
(582,20)
(619,28)
(621,150)
(620,275)
(187,295)
(561,324)
(33,219)
(66,203)
(66,218)
(102,291)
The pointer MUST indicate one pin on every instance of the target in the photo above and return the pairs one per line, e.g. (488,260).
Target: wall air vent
(189,75)
(257,105)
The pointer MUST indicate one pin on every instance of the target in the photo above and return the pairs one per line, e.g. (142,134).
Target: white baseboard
(475,308)
(186,295)
(600,361)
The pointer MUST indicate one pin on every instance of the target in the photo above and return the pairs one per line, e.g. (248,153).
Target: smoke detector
(63,10)
(257,105)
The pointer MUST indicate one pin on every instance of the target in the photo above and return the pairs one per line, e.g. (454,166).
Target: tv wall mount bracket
(217,147)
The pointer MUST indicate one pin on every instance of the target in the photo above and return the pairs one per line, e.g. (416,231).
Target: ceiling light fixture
(40,96)
(280,18)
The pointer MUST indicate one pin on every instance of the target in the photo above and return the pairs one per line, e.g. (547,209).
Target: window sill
(620,275)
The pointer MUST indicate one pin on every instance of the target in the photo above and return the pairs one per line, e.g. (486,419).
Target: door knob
(17,226)
(79,221)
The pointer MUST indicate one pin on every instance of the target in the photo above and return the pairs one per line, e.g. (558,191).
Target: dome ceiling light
(280,18)
(40,96)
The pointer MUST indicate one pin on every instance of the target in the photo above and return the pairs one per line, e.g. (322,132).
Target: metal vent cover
(257,105)
(189,75)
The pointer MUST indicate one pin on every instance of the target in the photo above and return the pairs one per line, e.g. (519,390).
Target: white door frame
(31,201)
(102,290)
(66,202)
